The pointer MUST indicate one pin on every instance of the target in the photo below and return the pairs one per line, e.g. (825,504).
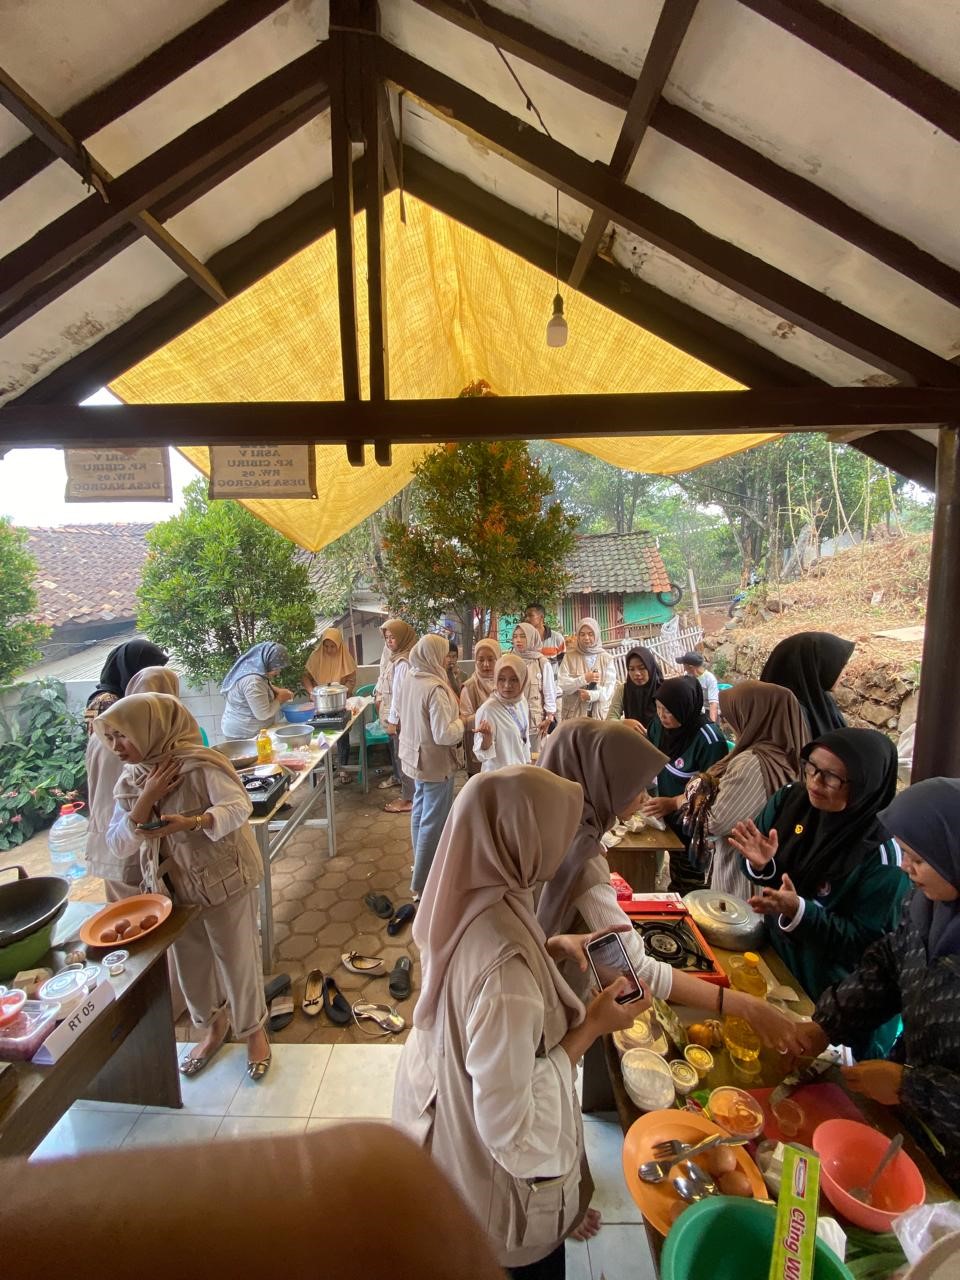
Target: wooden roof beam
(371,97)
(732,267)
(867,56)
(485,418)
(344,68)
(158,69)
(60,142)
(615,87)
(675,18)
(287,92)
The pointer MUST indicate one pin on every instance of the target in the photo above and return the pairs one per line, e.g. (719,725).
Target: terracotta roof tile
(617,562)
(88,572)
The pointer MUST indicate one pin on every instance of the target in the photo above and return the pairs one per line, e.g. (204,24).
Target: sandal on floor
(257,1070)
(366,966)
(276,987)
(383,1015)
(398,806)
(312,1001)
(281,1012)
(403,916)
(335,1003)
(344,778)
(387,784)
(400,984)
(193,1066)
(379,904)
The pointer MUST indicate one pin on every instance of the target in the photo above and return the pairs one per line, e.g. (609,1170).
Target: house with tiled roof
(619,579)
(87,580)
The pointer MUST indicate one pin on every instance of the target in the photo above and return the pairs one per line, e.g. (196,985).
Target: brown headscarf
(612,762)
(767,721)
(486,686)
(155,680)
(328,668)
(506,833)
(404,635)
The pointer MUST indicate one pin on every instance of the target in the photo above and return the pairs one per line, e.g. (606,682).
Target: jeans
(432,802)
(406,783)
(552,1267)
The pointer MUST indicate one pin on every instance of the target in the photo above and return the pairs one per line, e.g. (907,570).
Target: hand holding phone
(154,825)
(609,961)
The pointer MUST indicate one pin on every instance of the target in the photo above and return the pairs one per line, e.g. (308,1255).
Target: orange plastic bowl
(849,1152)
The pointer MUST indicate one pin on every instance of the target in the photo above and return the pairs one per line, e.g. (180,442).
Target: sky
(32,482)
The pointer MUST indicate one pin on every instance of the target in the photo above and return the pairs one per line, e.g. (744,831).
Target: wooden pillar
(937,748)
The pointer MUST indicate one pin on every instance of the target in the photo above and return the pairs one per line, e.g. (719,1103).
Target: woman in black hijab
(636,698)
(913,972)
(122,664)
(829,881)
(810,664)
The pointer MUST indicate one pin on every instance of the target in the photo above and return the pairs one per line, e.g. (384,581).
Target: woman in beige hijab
(398,639)
(486,1079)
(503,722)
(587,676)
(430,730)
(478,688)
(203,854)
(121,879)
(331,662)
(542,683)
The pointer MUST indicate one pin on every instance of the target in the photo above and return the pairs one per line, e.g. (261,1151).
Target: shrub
(42,760)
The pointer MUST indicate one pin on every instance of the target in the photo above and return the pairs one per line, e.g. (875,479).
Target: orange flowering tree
(484,533)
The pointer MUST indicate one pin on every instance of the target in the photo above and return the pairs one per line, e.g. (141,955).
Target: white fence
(668,647)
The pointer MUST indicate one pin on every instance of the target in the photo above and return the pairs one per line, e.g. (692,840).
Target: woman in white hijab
(588,675)
(503,721)
(430,730)
(121,879)
(182,810)
(486,1079)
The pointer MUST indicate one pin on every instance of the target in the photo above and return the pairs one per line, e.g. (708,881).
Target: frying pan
(29,908)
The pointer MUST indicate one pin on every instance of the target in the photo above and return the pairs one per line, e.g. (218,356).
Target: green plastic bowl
(726,1238)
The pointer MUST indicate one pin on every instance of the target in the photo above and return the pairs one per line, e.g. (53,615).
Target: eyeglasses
(831,781)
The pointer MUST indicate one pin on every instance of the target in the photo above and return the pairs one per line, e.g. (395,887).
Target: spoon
(863,1193)
(693,1184)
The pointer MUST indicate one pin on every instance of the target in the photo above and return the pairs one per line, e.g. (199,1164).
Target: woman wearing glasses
(828,880)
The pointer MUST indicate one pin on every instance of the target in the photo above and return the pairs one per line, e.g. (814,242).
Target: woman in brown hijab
(477,689)
(486,1079)
(398,639)
(331,662)
(769,729)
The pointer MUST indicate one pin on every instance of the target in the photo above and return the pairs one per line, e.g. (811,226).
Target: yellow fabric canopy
(459,308)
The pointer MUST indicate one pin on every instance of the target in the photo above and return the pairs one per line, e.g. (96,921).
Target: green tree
(482,532)
(20,633)
(218,580)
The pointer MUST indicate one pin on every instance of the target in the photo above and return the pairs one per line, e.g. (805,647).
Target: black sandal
(379,904)
(335,1004)
(281,1012)
(400,979)
(403,916)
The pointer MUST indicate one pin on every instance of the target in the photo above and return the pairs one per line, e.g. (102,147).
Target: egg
(121,927)
(109,935)
(735,1183)
(148,922)
(131,934)
(721,1160)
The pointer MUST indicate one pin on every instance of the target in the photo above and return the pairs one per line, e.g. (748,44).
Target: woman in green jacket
(829,881)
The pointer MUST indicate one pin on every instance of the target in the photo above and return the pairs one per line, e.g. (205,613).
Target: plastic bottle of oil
(265,754)
(747,977)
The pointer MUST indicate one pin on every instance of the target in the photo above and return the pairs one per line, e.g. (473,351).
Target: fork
(674,1147)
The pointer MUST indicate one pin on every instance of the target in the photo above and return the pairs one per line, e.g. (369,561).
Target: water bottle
(68,842)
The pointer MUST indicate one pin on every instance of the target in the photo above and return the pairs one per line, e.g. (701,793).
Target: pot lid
(719,908)
(333,687)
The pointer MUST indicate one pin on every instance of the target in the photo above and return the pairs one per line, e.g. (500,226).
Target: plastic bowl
(849,1152)
(298,712)
(647,1079)
(11,1002)
(736,1111)
(726,1238)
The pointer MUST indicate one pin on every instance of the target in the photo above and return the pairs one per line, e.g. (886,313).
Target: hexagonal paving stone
(286,909)
(320,899)
(297,947)
(362,871)
(310,922)
(346,911)
(335,934)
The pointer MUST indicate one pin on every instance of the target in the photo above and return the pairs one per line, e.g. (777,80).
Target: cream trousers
(217,959)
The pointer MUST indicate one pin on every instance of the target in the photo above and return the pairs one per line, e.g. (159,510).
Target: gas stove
(264,784)
(675,940)
(331,720)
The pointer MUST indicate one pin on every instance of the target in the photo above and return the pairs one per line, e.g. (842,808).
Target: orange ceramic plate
(655,1200)
(133,909)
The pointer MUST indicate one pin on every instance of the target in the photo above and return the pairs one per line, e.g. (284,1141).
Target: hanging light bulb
(556,325)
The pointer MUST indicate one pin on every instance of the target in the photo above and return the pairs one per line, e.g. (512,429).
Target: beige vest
(422,758)
(433,1101)
(577,665)
(201,871)
(103,774)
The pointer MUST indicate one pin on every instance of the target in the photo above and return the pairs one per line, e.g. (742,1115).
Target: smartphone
(151,826)
(609,961)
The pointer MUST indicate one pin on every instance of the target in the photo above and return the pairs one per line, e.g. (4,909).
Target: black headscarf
(683,698)
(639,699)
(124,662)
(927,817)
(816,847)
(809,664)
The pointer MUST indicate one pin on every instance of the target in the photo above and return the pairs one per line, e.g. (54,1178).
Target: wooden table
(273,832)
(603,1086)
(641,855)
(128,1053)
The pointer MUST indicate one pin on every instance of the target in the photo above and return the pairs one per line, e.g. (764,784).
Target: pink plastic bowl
(11,1002)
(849,1152)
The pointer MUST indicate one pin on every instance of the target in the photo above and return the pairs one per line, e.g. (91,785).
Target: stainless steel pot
(330,697)
(293,735)
(724,920)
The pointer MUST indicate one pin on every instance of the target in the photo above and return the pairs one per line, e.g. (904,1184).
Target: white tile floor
(310,1087)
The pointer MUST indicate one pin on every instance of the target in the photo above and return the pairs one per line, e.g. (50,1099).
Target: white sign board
(118,475)
(262,471)
(58,1042)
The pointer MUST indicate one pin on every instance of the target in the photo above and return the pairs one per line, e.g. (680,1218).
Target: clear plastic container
(22,1037)
(67,841)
